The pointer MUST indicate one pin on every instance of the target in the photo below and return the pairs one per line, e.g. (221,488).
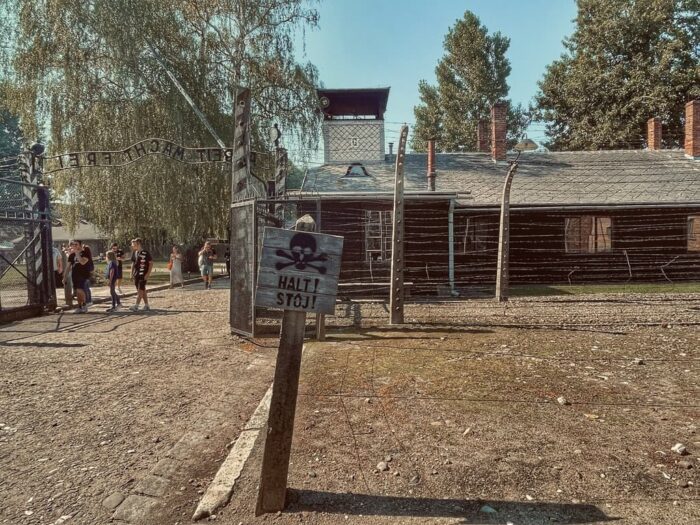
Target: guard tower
(353,124)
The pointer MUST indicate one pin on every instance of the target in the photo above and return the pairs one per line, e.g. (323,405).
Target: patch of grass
(540,290)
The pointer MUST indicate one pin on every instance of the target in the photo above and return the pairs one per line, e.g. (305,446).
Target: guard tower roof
(359,102)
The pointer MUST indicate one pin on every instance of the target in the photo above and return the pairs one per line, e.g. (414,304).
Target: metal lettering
(155,146)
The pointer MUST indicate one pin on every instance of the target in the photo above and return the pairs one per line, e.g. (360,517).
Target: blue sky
(396,43)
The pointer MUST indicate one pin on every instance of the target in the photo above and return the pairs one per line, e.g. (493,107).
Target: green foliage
(471,76)
(90,72)
(627,61)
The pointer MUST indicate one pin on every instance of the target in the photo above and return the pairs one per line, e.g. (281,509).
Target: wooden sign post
(298,273)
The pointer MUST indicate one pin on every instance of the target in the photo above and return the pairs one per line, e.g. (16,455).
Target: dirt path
(462,407)
(89,404)
(467,422)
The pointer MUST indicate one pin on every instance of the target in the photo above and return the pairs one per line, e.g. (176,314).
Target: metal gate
(244,261)
(248,220)
(26,267)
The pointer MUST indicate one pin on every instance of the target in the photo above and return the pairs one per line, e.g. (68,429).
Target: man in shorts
(207,256)
(78,267)
(141,266)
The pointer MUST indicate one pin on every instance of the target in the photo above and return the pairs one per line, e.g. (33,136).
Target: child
(112,276)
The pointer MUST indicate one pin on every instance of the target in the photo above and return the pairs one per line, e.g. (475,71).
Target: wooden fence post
(280,426)
(240,174)
(396,286)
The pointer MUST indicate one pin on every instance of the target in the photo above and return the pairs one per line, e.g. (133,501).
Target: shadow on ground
(473,511)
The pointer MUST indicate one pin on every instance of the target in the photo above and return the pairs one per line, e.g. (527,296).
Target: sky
(396,43)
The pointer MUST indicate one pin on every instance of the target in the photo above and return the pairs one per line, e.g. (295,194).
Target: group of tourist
(76,274)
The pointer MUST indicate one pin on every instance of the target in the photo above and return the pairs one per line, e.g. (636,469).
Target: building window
(479,235)
(588,234)
(694,233)
(354,142)
(377,235)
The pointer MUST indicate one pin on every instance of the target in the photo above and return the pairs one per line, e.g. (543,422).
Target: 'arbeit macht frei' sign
(299,271)
(152,146)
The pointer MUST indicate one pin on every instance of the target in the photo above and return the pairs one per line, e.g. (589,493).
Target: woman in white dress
(176,269)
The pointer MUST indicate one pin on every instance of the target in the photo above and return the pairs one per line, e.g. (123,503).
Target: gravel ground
(90,403)
(462,409)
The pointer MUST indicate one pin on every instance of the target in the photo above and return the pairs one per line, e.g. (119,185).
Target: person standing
(78,268)
(58,267)
(91,269)
(112,267)
(67,278)
(119,254)
(207,256)
(141,266)
(176,268)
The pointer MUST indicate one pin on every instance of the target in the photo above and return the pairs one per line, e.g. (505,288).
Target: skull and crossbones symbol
(302,253)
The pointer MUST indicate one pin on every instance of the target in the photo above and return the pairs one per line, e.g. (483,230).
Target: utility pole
(396,287)
(504,237)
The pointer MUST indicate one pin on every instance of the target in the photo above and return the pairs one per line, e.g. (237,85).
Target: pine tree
(471,76)
(627,61)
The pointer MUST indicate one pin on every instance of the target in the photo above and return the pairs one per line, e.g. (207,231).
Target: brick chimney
(692,129)
(431,165)
(482,135)
(499,111)
(654,134)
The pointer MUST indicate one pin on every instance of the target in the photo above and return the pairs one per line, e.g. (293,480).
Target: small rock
(312,474)
(685,464)
(683,484)
(528,497)
(578,451)
(156,439)
(382,466)
(103,443)
(130,451)
(200,492)
(562,401)
(433,472)
(113,501)
(665,475)
(468,429)
(679,448)
(388,458)
(639,361)
(368,400)
(396,473)
(487,509)
(28,512)
(415,479)
(62,519)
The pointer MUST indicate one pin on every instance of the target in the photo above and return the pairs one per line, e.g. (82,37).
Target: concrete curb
(101,300)
(219,491)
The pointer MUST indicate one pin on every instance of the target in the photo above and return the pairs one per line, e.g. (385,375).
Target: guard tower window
(378,235)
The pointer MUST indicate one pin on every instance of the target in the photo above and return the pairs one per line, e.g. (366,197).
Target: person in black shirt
(78,267)
(119,254)
(141,266)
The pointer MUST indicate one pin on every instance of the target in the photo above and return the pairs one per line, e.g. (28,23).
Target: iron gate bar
(12,264)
